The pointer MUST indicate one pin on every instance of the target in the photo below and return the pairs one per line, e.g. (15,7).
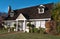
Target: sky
(18,4)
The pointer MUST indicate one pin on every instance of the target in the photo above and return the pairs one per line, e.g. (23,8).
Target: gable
(21,17)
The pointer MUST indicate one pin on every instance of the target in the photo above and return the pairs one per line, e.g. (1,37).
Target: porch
(21,25)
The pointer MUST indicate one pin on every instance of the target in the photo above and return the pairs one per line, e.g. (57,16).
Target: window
(11,14)
(41,9)
(38,24)
(9,23)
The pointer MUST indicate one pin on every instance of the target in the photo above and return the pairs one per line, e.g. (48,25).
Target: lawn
(3,31)
(29,36)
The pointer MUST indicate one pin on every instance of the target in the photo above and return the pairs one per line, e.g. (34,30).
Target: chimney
(9,10)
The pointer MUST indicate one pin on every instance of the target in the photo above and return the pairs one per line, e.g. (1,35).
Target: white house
(38,15)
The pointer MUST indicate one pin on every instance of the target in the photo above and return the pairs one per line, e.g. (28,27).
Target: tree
(56,15)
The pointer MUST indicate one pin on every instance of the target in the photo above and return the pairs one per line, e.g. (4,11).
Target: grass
(29,36)
(3,31)
(18,35)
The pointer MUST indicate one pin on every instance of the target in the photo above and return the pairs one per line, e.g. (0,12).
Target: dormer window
(41,9)
(11,14)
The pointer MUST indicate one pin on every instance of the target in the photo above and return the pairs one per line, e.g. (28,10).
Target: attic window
(41,9)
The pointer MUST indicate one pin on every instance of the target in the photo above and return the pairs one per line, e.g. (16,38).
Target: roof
(32,12)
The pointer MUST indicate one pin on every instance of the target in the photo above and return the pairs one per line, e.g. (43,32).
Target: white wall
(9,22)
(12,24)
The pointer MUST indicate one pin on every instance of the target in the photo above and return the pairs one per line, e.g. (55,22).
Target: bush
(32,28)
(35,30)
(15,25)
(29,24)
(12,28)
(58,29)
(41,30)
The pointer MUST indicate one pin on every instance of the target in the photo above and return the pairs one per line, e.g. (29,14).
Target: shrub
(15,25)
(32,28)
(38,31)
(41,30)
(29,24)
(58,29)
(35,30)
(12,28)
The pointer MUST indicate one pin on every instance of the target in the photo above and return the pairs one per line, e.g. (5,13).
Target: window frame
(41,7)
(40,11)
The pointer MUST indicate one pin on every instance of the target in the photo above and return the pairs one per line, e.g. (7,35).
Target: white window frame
(40,11)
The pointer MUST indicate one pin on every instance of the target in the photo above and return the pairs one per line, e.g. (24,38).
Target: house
(37,15)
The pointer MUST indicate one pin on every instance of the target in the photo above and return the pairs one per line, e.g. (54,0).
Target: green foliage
(35,30)
(32,25)
(12,29)
(15,25)
(42,30)
(56,15)
(29,24)
(3,31)
(58,27)
(56,12)
(32,28)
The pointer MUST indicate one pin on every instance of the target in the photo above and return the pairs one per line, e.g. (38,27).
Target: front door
(20,26)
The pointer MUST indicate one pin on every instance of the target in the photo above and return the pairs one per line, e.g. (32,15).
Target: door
(20,26)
